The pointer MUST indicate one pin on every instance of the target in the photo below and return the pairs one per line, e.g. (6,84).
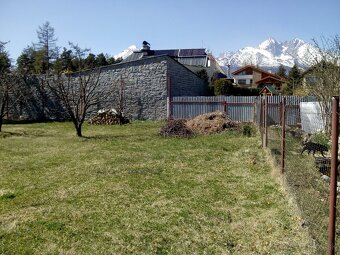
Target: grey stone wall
(184,82)
(145,84)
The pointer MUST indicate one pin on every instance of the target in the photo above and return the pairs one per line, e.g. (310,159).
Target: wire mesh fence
(305,161)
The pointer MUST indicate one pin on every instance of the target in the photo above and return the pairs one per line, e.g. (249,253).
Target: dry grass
(127,190)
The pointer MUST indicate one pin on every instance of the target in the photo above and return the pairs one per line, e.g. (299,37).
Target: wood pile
(108,118)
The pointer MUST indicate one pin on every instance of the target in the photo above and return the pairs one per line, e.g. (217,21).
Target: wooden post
(283,135)
(334,172)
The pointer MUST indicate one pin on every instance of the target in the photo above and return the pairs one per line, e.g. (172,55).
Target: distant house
(194,59)
(268,91)
(254,77)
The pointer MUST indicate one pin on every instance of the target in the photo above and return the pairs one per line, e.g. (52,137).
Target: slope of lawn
(127,190)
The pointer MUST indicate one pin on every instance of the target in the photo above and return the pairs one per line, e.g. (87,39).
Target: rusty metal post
(265,140)
(169,99)
(283,135)
(262,120)
(225,107)
(334,173)
(280,113)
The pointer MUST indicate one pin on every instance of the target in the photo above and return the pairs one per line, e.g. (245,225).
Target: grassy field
(126,190)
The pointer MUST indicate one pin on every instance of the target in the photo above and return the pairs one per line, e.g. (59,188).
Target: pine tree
(294,80)
(101,60)
(281,71)
(47,44)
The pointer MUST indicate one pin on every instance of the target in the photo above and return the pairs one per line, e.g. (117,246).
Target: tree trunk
(78,128)
(0,122)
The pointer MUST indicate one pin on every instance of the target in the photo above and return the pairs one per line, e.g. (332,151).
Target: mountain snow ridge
(127,52)
(271,53)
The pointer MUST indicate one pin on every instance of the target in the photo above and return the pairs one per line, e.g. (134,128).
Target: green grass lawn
(127,190)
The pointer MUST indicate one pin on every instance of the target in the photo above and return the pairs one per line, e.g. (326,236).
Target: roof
(271,89)
(269,77)
(257,69)
(174,53)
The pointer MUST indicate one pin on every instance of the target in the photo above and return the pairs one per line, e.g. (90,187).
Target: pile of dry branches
(210,123)
(176,128)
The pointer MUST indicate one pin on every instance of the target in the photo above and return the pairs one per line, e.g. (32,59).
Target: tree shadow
(6,134)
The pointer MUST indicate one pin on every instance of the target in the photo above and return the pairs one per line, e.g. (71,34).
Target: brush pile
(213,122)
(209,123)
(108,117)
(176,128)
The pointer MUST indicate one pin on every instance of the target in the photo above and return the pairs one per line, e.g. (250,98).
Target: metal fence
(239,108)
(308,166)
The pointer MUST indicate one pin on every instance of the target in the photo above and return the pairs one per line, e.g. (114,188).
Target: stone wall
(184,82)
(145,84)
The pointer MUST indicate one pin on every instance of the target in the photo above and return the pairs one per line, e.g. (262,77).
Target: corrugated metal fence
(239,108)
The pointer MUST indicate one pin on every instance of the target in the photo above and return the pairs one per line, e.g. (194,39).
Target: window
(246,72)
(242,82)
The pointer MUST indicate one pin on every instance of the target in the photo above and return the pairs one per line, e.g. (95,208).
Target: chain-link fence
(305,161)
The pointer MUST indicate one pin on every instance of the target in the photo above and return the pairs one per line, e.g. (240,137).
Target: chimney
(146,48)
(228,72)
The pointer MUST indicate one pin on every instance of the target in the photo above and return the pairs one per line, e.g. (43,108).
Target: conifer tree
(47,45)
(281,71)
(294,80)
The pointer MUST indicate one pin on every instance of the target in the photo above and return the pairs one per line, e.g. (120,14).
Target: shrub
(223,87)
(248,130)
(320,138)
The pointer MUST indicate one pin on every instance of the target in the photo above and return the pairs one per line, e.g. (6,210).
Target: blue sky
(112,26)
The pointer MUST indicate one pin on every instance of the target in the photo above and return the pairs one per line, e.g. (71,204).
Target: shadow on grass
(31,133)
(6,134)
(113,137)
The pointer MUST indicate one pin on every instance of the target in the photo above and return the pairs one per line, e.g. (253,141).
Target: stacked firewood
(108,118)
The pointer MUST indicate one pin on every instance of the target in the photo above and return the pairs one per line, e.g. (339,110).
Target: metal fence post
(334,172)
(265,141)
(169,99)
(283,136)
(262,121)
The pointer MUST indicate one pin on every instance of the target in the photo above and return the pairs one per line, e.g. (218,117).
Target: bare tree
(119,99)
(322,79)
(78,92)
(10,93)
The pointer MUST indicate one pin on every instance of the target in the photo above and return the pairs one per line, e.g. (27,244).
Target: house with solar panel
(194,59)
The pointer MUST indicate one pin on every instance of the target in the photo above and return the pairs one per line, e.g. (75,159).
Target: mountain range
(269,54)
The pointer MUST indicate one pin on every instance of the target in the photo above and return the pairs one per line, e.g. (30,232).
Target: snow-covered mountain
(127,52)
(271,53)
